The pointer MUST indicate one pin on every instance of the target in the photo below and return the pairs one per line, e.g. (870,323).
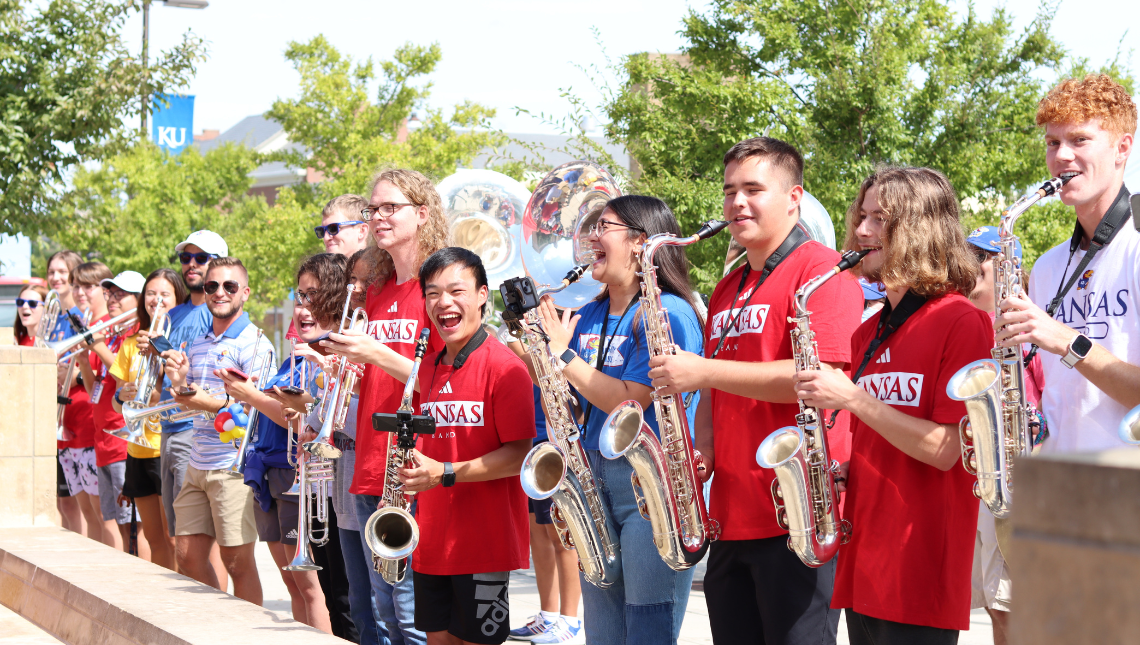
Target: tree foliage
(68,81)
(853,84)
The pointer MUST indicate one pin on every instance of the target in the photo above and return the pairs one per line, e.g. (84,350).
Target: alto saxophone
(669,493)
(559,469)
(391,532)
(807,505)
(998,423)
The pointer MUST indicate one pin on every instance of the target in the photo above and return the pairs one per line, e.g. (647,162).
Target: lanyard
(603,349)
(1109,226)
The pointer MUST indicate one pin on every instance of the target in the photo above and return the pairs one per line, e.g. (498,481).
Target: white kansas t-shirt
(1104,305)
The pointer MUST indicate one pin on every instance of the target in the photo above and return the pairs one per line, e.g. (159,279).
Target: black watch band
(448,475)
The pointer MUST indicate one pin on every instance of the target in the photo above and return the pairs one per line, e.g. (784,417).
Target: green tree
(852,84)
(68,81)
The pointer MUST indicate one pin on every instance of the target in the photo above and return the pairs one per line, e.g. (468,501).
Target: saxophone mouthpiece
(851,258)
(711,228)
(573,274)
(422,341)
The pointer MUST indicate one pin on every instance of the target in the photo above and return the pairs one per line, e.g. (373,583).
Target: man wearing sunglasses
(342,230)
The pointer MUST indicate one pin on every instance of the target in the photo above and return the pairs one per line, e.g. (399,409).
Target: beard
(197,286)
(224,311)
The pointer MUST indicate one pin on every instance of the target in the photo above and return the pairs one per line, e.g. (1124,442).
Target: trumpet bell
(1130,426)
(135,436)
(303,561)
(391,533)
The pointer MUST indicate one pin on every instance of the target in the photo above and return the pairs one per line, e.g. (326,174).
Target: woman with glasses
(606,360)
(29,310)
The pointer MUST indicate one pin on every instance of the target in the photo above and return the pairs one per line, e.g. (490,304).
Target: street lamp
(182,4)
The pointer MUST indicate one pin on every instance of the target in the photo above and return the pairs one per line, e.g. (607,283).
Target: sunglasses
(32,304)
(200,258)
(231,287)
(333,229)
(982,254)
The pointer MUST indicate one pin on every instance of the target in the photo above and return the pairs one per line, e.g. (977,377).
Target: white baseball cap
(129,281)
(208,241)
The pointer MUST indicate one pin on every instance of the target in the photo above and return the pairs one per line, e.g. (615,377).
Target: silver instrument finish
(996,428)
(669,492)
(1130,426)
(338,391)
(807,504)
(263,370)
(63,347)
(148,375)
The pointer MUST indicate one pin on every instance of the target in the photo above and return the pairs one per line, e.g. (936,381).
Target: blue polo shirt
(187,322)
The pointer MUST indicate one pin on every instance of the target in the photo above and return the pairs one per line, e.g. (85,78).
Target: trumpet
(49,319)
(316,475)
(169,410)
(148,374)
(262,371)
(86,336)
(338,391)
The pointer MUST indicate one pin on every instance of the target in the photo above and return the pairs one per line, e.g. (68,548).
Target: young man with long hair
(904,578)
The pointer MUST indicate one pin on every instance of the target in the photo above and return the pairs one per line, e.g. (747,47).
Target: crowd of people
(920,555)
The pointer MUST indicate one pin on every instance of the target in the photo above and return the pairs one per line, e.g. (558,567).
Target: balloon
(220,421)
(228,425)
(236,409)
(241,419)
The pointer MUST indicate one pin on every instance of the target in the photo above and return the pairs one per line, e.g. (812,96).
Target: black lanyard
(603,349)
(1109,226)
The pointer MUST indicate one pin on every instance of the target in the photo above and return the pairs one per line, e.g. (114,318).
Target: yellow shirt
(125,369)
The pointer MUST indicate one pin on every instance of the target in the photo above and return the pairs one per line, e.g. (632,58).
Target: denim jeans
(647,603)
(356,565)
(395,605)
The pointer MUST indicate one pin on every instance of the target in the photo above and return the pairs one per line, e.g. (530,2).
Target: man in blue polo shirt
(212,505)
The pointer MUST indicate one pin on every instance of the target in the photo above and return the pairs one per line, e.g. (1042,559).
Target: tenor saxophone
(669,493)
(392,533)
(807,505)
(559,469)
(998,421)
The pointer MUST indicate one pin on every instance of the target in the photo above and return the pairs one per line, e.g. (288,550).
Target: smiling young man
(1089,331)
(757,590)
(214,505)
(472,515)
(904,577)
(343,229)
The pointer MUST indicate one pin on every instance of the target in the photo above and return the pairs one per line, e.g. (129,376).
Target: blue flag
(172,124)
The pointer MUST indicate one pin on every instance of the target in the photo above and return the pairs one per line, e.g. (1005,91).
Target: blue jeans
(356,566)
(395,605)
(647,603)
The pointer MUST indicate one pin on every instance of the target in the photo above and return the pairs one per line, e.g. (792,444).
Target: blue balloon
(241,419)
(236,409)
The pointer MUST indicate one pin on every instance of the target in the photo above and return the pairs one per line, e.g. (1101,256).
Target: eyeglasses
(385,210)
(306,298)
(200,258)
(231,287)
(601,226)
(115,294)
(32,304)
(334,229)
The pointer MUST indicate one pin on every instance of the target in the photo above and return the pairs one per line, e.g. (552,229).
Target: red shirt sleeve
(968,338)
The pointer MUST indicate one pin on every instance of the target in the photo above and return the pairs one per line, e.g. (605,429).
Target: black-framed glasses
(32,304)
(306,297)
(114,294)
(200,258)
(601,226)
(231,287)
(334,229)
(385,210)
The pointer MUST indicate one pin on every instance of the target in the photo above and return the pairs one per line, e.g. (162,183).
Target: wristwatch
(448,475)
(1078,350)
(567,356)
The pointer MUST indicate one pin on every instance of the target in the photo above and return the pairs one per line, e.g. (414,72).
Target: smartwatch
(448,475)
(567,356)
(1078,349)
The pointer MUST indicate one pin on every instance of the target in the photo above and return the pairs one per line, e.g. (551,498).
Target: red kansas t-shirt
(108,448)
(763,333)
(77,419)
(912,525)
(474,527)
(396,315)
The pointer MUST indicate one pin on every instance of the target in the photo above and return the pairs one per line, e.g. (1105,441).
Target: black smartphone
(519,295)
(290,389)
(315,345)
(186,391)
(396,423)
(160,344)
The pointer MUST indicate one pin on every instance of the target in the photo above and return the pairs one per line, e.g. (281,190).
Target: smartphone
(238,373)
(186,391)
(519,295)
(291,389)
(416,423)
(315,345)
(160,344)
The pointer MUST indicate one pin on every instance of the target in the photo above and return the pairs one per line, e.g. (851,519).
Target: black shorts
(143,477)
(279,523)
(473,607)
(61,489)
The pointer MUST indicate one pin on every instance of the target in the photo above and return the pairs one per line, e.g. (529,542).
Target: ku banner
(172,122)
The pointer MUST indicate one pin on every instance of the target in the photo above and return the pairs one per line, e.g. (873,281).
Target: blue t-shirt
(187,322)
(627,354)
(539,417)
(270,439)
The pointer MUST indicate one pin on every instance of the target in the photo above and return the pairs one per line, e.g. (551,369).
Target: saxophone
(391,532)
(804,488)
(999,421)
(673,499)
(558,469)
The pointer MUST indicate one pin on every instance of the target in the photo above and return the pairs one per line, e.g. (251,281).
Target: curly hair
(380,264)
(925,248)
(181,293)
(435,234)
(328,302)
(1095,96)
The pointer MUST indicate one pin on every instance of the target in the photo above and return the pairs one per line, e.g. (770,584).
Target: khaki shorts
(990,584)
(215,503)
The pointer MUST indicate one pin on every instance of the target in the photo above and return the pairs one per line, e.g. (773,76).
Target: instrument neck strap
(472,345)
(604,348)
(1109,226)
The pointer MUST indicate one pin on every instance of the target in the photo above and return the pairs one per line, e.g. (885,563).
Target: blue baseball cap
(987,238)
(872,290)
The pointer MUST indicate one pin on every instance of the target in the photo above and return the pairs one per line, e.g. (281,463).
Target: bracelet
(224,405)
(117,392)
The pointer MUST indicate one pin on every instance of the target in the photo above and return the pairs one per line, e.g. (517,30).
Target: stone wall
(27,437)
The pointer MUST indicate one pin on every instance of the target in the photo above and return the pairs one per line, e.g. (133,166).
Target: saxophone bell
(1130,426)
(982,432)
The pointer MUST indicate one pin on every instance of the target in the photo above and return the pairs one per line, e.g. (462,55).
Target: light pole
(183,4)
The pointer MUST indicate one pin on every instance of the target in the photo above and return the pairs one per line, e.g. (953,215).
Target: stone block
(17,503)
(10,354)
(44,509)
(16,422)
(45,408)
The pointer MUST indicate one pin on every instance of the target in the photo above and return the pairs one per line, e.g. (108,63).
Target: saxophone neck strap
(890,319)
(604,348)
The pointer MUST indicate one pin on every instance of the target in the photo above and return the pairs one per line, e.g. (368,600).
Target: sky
(500,53)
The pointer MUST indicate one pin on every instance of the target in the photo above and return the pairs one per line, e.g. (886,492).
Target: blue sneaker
(535,627)
(562,632)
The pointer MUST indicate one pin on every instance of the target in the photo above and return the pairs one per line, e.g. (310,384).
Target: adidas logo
(446,389)
(886,357)
(291,535)
(393,309)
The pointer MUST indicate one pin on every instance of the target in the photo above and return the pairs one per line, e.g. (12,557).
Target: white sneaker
(535,627)
(562,632)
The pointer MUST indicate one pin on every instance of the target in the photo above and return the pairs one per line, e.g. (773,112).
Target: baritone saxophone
(807,504)
(669,493)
